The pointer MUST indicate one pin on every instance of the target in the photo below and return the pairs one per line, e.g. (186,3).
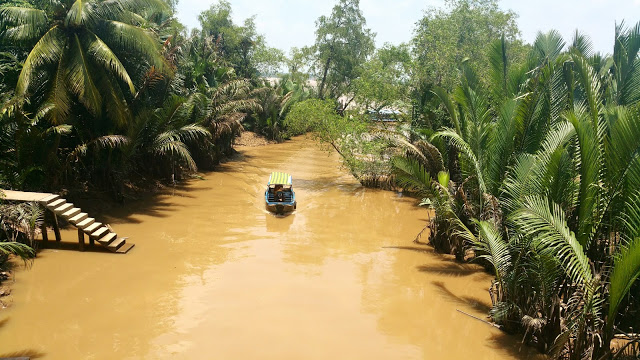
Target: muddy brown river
(215,276)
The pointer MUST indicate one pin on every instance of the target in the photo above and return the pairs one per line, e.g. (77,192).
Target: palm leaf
(47,50)
(21,24)
(15,248)
(102,54)
(494,249)
(466,150)
(626,269)
(546,222)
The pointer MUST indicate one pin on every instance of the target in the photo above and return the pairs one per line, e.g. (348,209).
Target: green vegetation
(527,153)
(114,96)
(343,44)
(538,178)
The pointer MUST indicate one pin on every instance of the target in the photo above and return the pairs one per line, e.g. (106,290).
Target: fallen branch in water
(477,318)
(417,239)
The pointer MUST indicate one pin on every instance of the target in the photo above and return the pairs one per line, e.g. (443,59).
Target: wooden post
(43,228)
(91,240)
(56,228)
(45,237)
(81,239)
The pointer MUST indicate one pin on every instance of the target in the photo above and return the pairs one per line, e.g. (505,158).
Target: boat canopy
(279,178)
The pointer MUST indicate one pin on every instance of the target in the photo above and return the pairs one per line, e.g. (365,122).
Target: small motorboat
(279,196)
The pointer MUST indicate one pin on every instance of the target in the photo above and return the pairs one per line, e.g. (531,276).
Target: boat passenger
(279,193)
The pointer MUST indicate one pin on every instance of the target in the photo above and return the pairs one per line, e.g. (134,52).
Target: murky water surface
(214,276)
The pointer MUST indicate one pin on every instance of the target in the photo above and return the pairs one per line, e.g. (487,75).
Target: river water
(215,276)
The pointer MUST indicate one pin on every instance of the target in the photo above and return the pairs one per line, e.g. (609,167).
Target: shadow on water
(468,301)
(73,246)
(516,349)
(451,269)
(23,354)
(149,204)
(411,248)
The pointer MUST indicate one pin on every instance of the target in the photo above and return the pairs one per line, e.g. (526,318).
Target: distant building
(385,115)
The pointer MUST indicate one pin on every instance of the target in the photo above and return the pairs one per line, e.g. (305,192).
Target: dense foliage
(107,95)
(528,153)
(543,187)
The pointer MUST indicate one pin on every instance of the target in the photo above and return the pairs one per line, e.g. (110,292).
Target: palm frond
(101,53)
(23,251)
(449,106)
(125,36)
(47,50)
(22,24)
(81,78)
(168,143)
(465,149)
(546,223)
(491,247)
(626,269)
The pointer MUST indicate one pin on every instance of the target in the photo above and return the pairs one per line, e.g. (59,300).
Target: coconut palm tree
(227,107)
(82,51)
(162,140)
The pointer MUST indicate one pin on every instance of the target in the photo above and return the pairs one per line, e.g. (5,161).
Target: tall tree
(343,44)
(384,80)
(236,45)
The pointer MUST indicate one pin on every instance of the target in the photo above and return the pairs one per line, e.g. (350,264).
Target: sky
(291,23)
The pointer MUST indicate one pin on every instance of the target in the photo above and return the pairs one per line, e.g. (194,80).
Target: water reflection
(278,223)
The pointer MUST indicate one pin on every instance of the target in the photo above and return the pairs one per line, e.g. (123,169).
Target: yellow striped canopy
(279,178)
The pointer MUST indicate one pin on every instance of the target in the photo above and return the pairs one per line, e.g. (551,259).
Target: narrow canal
(214,276)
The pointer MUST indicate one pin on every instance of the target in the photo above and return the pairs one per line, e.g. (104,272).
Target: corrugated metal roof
(280,178)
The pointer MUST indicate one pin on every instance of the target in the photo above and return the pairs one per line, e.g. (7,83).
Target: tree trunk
(324,78)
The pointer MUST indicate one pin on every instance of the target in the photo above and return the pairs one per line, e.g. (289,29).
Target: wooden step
(54,204)
(108,239)
(50,199)
(100,232)
(125,248)
(86,222)
(115,245)
(91,228)
(78,218)
(72,212)
(63,208)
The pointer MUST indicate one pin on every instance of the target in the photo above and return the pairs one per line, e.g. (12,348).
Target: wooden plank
(23,195)
(63,208)
(72,212)
(114,246)
(54,204)
(125,248)
(108,239)
(86,222)
(50,199)
(78,218)
(93,227)
(100,232)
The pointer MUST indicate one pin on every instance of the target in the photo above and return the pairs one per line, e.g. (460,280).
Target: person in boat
(279,193)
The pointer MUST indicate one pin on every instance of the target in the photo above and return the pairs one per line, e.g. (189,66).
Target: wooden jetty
(86,225)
